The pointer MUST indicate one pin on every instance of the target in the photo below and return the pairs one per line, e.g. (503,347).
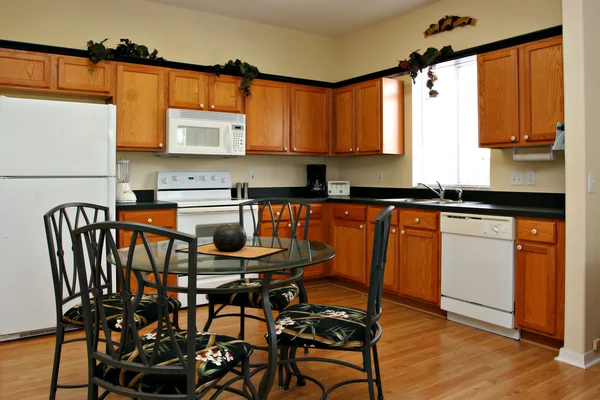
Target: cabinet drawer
(536,230)
(277,210)
(162,218)
(373,213)
(316,211)
(419,219)
(350,211)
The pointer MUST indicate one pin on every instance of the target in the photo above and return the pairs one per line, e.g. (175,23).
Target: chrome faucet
(442,192)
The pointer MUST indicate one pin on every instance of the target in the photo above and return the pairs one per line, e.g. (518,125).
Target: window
(445,128)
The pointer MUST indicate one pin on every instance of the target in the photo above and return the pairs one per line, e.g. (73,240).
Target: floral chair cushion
(279,297)
(321,326)
(146,312)
(216,355)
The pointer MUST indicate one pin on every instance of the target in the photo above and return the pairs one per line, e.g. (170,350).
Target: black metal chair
(273,213)
(59,224)
(168,362)
(339,328)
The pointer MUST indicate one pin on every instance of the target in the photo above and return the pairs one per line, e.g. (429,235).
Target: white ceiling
(324,17)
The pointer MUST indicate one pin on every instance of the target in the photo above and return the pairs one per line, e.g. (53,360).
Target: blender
(124,192)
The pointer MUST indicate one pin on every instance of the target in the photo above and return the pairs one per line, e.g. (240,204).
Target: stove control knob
(213,178)
(164,180)
(175,178)
(223,180)
(202,178)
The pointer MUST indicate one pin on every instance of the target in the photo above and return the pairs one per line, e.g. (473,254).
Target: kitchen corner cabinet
(369,118)
(540,276)
(309,127)
(391,281)
(141,101)
(521,94)
(349,238)
(419,263)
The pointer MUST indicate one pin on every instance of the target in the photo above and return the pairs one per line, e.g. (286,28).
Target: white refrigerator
(51,152)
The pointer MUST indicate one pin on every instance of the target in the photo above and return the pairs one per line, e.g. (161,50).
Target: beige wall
(383,45)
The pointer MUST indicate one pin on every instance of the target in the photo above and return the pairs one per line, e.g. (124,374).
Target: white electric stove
(203,203)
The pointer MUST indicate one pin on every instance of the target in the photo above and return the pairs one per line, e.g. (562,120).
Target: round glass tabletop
(295,254)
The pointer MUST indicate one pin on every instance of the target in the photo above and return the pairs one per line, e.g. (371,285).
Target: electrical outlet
(380,176)
(516,178)
(251,177)
(530,178)
(595,344)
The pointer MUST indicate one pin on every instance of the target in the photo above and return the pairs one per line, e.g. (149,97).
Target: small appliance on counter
(338,188)
(316,178)
(124,193)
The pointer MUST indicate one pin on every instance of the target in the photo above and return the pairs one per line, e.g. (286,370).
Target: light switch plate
(591,182)
(516,178)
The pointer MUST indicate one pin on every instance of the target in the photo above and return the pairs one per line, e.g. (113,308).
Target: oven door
(202,221)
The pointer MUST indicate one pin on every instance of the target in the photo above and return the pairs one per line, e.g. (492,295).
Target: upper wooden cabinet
(268,117)
(521,94)
(141,101)
(25,69)
(79,74)
(369,118)
(309,119)
(188,90)
(224,94)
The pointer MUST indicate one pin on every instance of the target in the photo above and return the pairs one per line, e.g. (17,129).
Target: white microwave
(209,133)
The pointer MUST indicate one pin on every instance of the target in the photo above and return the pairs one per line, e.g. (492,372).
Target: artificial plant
(416,62)
(239,68)
(97,51)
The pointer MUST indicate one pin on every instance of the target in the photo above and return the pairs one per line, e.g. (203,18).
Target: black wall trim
(390,72)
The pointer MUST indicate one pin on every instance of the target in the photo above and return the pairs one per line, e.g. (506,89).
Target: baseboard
(581,360)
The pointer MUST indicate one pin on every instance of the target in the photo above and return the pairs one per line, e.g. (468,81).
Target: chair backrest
(60,222)
(378,259)
(124,349)
(283,216)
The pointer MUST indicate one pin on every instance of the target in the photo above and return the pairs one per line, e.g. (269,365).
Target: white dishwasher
(478,271)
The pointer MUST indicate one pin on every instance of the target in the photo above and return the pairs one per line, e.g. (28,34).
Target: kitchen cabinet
(349,238)
(188,90)
(164,218)
(540,275)
(316,232)
(80,74)
(141,101)
(419,263)
(224,94)
(25,69)
(391,279)
(268,117)
(521,94)
(369,118)
(309,127)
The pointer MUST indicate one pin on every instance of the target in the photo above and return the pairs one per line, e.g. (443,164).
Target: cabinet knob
(160,145)
(393,231)
(299,224)
(402,232)
(149,220)
(201,105)
(512,138)
(310,212)
(417,220)
(277,213)
(519,247)
(294,149)
(357,149)
(350,148)
(289,225)
(526,137)
(212,106)
(362,226)
(347,212)
(534,231)
(285,149)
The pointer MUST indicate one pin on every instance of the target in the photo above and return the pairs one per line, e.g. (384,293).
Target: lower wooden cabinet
(316,232)
(540,277)
(349,240)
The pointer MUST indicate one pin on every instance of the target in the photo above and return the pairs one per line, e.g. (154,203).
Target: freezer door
(56,138)
(26,288)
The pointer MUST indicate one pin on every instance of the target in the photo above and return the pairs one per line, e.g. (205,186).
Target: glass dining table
(295,255)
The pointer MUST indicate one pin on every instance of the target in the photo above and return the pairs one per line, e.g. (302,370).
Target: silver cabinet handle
(361,226)
(402,232)
(393,231)
(160,145)
(534,231)
(285,149)
(347,213)
(201,105)
(417,220)
(519,247)
(149,220)
(526,137)
(512,138)
(212,106)
(350,148)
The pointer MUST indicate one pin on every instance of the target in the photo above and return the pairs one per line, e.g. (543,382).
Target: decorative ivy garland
(239,68)
(416,62)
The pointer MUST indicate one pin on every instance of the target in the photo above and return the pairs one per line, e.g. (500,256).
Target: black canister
(316,179)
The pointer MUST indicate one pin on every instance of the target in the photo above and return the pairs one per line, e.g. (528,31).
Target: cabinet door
(498,87)
(188,90)
(25,69)
(420,265)
(141,107)
(284,231)
(82,75)
(224,94)
(536,287)
(268,117)
(343,99)
(310,120)
(368,117)
(542,90)
(349,240)
(316,233)
(390,277)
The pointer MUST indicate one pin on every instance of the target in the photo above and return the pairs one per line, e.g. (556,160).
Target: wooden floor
(422,357)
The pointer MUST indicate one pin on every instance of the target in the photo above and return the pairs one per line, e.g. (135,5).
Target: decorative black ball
(229,237)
